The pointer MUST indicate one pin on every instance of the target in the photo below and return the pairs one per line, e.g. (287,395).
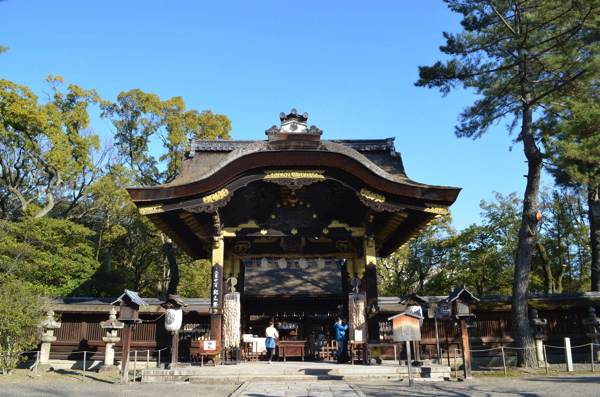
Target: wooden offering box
(292,348)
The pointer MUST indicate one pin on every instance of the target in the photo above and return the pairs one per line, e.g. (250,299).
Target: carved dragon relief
(211,202)
(436,208)
(377,202)
(294,179)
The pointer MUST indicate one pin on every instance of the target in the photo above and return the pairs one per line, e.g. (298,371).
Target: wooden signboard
(407,327)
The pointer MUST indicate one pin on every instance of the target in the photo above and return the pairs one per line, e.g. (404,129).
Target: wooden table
(356,349)
(292,348)
(250,351)
(394,345)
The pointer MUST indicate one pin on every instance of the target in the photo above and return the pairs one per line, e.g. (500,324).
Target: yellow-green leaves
(142,121)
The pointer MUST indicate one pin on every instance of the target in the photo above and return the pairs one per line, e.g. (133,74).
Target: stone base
(180,365)
(44,368)
(109,369)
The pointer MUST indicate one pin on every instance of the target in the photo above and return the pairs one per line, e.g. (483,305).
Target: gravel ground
(23,383)
(575,386)
(523,383)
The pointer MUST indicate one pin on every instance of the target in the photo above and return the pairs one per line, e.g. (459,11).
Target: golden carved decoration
(356,231)
(379,198)
(273,216)
(230,231)
(294,231)
(241,247)
(325,231)
(436,208)
(344,246)
(215,196)
(295,174)
(152,209)
(263,231)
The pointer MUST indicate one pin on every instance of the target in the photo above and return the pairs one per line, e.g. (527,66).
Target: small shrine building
(293,225)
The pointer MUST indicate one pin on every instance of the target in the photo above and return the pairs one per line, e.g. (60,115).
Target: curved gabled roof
(361,184)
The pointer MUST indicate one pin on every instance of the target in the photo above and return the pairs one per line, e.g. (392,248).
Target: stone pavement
(324,388)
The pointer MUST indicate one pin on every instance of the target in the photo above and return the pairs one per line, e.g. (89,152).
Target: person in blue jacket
(340,328)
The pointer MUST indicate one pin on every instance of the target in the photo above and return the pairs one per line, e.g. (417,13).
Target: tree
(55,254)
(140,119)
(22,309)
(44,148)
(563,252)
(420,266)
(515,55)
(572,138)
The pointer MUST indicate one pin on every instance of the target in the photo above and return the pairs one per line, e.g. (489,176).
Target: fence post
(84,357)
(568,354)
(592,355)
(546,359)
(134,366)
(158,360)
(503,360)
(148,359)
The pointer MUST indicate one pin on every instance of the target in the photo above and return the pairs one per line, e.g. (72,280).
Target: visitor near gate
(340,336)
(271,334)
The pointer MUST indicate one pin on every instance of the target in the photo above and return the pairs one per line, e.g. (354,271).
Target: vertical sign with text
(216,286)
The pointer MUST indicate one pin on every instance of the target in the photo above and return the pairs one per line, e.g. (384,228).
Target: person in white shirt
(271,334)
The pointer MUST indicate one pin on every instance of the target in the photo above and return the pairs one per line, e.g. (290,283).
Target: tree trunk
(594,221)
(173,268)
(520,321)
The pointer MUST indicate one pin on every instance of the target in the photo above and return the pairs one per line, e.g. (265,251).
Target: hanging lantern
(173,318)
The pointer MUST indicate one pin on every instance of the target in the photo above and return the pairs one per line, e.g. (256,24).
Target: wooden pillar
(216,301)
(174,348)
(368,273)
(370,281)
(466,353)
(125,354)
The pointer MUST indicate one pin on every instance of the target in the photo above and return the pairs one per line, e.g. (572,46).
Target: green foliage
(563,249)
(141,119)
(514,55)
(195,279)
(44,148)
(421,266)
(55,254)
(22,308)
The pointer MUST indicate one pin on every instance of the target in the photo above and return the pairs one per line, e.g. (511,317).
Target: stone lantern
(537,330)
(593,330)
(47,337)
(112,325)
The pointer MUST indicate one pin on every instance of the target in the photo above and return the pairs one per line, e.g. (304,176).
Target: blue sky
(351,65)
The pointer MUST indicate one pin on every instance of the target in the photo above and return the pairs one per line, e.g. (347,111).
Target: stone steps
(287,371)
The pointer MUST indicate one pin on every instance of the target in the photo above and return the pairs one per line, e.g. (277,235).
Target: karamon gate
(293,226)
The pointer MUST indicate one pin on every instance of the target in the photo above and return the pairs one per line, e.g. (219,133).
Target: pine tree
(516,55)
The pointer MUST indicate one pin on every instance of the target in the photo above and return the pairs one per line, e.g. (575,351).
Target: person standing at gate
(271,334)
(340,328)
